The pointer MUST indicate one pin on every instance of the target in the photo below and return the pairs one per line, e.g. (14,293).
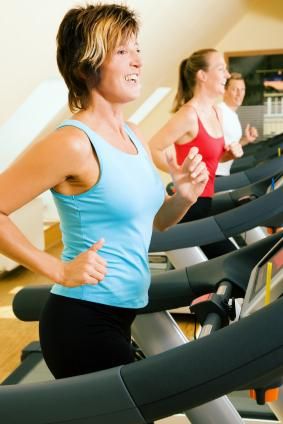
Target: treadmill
(181,241)
(269,169)
(225,201)
(274,141)
(258,153)
(190,376)
(230,199)
(157,333)
(260,292)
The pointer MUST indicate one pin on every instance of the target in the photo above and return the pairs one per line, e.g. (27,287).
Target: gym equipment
(270,142)
(257,153)
(182,378)
(255,296)
(227,200)
(152,332)
(181,241)
(268,169)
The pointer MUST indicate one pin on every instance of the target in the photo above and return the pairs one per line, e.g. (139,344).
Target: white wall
(170,29)
(27,33)
(261,28)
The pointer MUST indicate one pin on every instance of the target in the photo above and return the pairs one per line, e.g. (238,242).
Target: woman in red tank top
(197,122)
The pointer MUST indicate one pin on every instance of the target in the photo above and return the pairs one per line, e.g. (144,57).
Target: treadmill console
(276,183)
(256,290)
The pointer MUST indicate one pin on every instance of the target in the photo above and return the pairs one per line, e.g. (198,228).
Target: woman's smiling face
(120,73)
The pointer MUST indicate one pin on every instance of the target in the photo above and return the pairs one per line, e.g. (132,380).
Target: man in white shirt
(233,98)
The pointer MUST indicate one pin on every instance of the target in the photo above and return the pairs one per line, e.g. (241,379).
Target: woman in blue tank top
(107,192)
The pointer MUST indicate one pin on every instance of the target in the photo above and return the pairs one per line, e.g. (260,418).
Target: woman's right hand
(87,268)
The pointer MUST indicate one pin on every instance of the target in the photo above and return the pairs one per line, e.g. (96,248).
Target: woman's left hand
(191,177)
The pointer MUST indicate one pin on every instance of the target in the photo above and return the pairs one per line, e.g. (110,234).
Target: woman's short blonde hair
(86,36)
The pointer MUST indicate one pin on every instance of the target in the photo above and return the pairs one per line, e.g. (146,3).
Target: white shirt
(232,133)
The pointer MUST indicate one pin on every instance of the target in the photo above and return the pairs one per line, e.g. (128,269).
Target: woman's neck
(203,101)
(101,114)
(206,108)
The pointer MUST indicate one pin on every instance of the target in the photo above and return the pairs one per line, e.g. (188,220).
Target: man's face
(235,93)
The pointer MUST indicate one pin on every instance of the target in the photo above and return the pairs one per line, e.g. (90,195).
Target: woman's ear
(201,75)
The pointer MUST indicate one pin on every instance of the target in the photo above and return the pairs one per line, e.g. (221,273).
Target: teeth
(131,77)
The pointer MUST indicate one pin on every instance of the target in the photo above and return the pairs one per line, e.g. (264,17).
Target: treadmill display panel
(256,290)
(277,264)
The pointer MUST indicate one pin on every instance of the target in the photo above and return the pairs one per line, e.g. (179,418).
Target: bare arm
(189,181)
(45,164)
(182,123)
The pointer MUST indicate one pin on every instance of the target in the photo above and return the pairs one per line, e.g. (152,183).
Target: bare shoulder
(69,145)
(44,164)
(187,121)
(181,125)
(62,153)
(70,140)
(188,111)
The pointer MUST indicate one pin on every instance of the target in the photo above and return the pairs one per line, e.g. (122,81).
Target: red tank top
(210,148)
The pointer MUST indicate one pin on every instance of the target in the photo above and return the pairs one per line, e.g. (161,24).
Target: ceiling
(170,29)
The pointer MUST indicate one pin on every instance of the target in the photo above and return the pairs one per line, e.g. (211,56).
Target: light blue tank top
(120,208)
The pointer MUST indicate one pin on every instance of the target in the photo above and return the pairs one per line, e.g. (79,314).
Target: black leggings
(78,337)
(202,209)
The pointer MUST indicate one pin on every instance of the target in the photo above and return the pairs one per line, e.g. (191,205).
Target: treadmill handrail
(260,211)
(268,169)
(179,379)
(171,289)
